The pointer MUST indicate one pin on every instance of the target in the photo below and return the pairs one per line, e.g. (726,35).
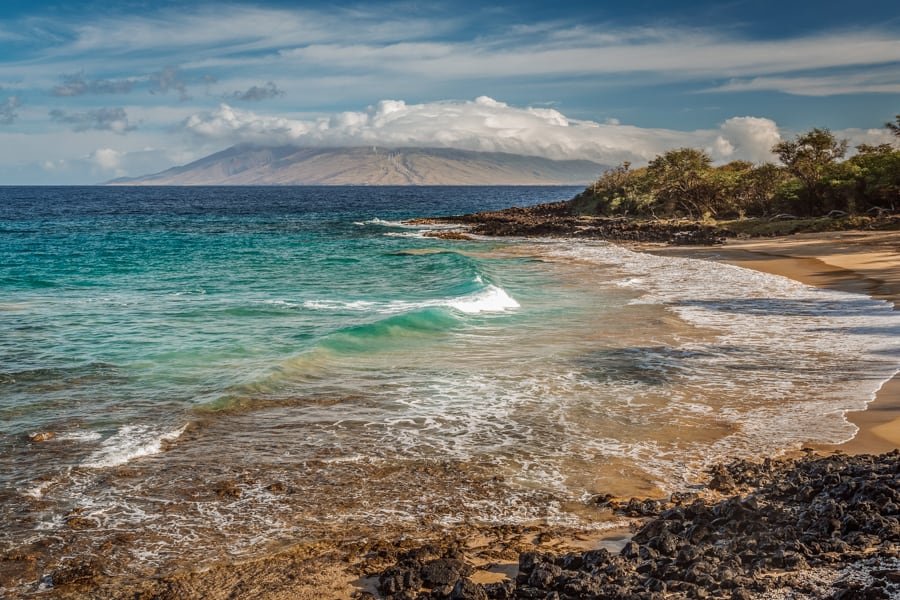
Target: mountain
(289,165)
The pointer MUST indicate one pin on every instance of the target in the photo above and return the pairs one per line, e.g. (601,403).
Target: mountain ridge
(291,165)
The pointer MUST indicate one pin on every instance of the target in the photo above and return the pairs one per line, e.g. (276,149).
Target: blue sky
(89,92)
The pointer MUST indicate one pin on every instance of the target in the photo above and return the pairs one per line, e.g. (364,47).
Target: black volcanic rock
(838,514)
(556,219)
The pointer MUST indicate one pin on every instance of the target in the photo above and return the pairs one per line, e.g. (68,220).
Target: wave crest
(488,298)
(491,299)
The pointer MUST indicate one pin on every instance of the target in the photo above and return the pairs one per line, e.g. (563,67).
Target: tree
(726,188)
(880,149)
(679,180)
(619,191)
(877,177)
(806,157)
(758,188)
(895,126)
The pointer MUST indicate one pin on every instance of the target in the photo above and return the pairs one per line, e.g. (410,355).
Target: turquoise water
(122,301)
(347,375)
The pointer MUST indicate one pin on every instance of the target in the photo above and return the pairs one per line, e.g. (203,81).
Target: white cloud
(750,138)
(91,156)
(105,163)
(345,57)
(233,125)
(485,124)
(55,165)
(872,137)
(107,159)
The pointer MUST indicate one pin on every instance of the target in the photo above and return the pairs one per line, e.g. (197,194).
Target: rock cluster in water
(816,527)
(557,220)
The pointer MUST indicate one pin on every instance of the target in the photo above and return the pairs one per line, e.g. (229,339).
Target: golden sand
(855,261)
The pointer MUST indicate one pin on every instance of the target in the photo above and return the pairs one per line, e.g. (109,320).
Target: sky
(90,91)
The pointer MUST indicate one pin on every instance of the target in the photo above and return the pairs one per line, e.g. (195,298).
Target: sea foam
(381,223)
(128,443)
(799,356)
(79,436)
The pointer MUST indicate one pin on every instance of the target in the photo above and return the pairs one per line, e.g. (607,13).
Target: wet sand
(865,262)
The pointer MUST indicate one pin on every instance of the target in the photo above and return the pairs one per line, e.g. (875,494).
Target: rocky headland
(565,219)
(558,219)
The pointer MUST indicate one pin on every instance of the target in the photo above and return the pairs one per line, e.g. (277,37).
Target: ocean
(226,371)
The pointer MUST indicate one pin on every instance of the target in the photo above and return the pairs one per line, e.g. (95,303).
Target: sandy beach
(865,262)
(859,262)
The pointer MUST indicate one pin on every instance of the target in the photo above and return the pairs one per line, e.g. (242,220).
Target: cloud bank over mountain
(485,125)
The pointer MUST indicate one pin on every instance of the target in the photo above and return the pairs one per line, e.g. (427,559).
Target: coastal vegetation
(682,198)
(813,180)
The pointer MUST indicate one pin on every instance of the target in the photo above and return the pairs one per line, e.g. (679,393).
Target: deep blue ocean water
(306,340)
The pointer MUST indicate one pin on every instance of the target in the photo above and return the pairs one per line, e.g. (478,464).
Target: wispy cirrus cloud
(241,28)
(304,44)
(875,82)
(101,119)
(671,53)
(395,40)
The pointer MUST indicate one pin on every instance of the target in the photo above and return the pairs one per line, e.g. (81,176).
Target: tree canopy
(813,180)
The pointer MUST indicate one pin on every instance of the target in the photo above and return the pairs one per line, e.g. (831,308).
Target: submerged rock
(448,235)
(228,489)
(76,572)
(77,523)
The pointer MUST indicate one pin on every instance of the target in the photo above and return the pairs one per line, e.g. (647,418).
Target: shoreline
(693,546)
(347,568)
(850,261)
